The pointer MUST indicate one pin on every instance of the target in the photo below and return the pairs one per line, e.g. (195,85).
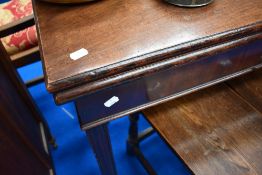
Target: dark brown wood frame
(26,116)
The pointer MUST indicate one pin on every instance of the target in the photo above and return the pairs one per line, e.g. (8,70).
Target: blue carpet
(74,155)
(3,1)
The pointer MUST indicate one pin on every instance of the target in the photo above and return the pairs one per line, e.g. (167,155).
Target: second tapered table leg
(100,141)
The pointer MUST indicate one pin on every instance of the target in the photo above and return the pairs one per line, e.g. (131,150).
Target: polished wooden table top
(126,35)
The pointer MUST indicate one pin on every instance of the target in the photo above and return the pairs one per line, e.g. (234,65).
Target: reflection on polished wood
(213,131)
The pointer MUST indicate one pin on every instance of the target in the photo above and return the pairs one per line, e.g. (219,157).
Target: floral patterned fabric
(22,40)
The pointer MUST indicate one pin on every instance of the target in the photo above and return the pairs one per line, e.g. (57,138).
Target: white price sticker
(111,101)
(78,54)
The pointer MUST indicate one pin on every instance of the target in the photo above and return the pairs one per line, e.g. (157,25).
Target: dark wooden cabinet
(22,136)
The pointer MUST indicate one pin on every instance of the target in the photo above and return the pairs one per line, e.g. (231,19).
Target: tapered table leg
(100,141)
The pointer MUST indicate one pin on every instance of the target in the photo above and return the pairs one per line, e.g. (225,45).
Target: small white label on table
(111,101)
(78,54)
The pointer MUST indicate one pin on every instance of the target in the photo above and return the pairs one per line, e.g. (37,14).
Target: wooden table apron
(141,52)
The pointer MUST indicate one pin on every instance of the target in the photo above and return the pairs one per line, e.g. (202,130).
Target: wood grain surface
(129,34)
(214,131)
(250,88)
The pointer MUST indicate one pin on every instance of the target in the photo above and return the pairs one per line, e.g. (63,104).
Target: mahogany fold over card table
(141,53)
